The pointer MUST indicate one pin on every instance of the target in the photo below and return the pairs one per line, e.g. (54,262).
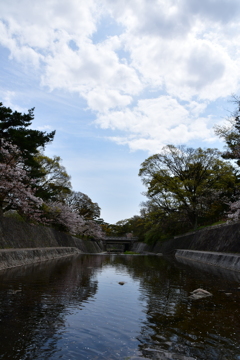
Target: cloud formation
(151,78)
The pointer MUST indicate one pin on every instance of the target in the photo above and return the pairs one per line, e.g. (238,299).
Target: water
(74,308)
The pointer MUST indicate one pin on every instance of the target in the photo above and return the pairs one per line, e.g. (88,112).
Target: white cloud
(90,66)
(223,11)
(8,100)
(100,99)
(156,122)
(188,50)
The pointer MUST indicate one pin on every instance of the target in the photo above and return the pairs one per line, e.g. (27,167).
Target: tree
(93,229)
(54,183)
(231,133)
(83,205)
(65,219)
(16,187)
(193,182)
(14,127)
(160,224)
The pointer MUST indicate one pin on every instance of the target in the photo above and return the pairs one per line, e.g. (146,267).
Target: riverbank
(23,244)
(15,234)
(10,258)
(220,238)
(223,260)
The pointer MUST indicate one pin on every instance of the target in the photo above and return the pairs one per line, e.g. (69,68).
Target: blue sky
(118,80)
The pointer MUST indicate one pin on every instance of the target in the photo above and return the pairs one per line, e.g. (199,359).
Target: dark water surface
(74,308)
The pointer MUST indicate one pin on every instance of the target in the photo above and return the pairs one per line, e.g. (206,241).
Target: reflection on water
(74,308)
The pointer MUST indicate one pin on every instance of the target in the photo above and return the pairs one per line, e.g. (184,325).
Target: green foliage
(54,183)
(14,127)
(131,253)
(14,215)
(186,188)
(231,133)
(194,183)
(83,205)
(134,225)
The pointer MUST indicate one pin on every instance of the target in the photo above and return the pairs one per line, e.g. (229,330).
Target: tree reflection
(34,302)
(203,329)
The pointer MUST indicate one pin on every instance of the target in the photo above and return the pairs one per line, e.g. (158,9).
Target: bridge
(119,244)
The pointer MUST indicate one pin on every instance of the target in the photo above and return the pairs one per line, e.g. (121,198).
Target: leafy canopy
(187,180)
(14,127)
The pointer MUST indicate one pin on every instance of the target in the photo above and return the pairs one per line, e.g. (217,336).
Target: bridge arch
(119,244)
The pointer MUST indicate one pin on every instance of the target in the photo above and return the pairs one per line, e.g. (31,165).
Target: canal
(75,308)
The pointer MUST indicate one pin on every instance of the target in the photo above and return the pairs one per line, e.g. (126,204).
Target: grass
(131,253)
(216,223)
(14,215)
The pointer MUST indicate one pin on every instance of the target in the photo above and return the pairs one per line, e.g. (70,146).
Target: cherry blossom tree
(234,211)
(61,215)
(83,205)
(16,187)
(17,192)
(66,219)
(92,229)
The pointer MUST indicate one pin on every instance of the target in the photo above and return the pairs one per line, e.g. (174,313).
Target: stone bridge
(119,244)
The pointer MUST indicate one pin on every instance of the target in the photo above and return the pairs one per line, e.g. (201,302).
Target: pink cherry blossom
(16,187)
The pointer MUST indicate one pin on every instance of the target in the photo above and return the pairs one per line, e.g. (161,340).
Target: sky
(118,80)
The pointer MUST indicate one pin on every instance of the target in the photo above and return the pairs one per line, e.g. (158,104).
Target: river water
(75,308)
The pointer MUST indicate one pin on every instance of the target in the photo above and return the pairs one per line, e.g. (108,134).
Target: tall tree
(83,205)
(14,127)
(190,181)
(231,133)
(54,183)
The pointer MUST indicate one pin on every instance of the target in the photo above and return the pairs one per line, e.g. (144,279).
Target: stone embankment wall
(12,258)
(220,238)
(15,234)
(223,260)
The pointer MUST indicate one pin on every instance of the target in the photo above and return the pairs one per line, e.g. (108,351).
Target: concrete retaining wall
(19,257)
(15,234)
(223,260)
(224,238)
(141,247)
